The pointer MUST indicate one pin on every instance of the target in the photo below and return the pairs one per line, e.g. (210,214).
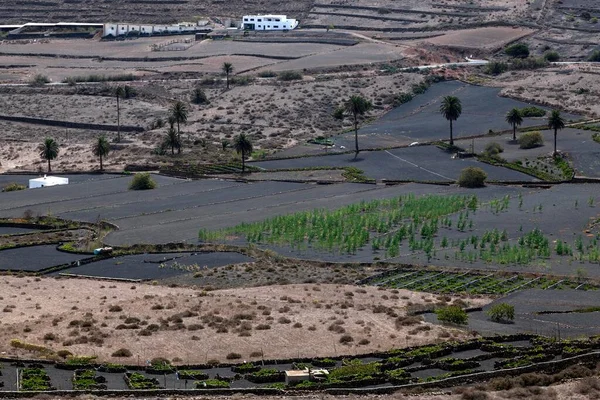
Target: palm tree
(356,106)
(556,122)
(228,69)
(179,112)
(242,145)
(514,118)
(119,92)
(101,149)
(49,151)
(451,110)
(172,140)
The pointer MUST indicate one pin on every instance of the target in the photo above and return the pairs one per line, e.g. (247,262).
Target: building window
(275,26)
(259,20)
(259,26)
(269,19)
(251,19)
(246,19)
(269,26)
(277,19)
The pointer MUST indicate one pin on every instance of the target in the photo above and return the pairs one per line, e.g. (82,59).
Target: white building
(268,23)
(47,181)
(114,30)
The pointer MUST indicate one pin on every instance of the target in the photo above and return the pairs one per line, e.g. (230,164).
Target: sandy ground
(281,321)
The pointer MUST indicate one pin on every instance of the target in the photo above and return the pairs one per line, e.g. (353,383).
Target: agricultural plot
(35,258)
(155,266)
(512,233)
(553,313)
(420,164)
(444,282)
(396,367)
(420,120)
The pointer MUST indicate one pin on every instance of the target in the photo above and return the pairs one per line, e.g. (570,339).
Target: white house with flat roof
(268,22)
(47,181)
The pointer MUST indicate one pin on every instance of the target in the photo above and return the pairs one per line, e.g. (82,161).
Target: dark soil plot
(61,379)
(529,303)
(420,119)
(9,230)
(9,377)
(227,193)
(137,201)
(421,163)
(35,258)
(183,225)
(144,266)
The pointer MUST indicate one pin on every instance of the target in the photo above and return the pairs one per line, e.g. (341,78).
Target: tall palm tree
(514,118)
(243,145)
(179,112)
(451,108)
(172,140)
(119,92)
(556,122)
(101,149)
(357,106)
(49,151)
(228,69)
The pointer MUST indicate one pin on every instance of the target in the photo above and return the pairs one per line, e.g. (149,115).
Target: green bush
(595,56)
(472,177)
(518,50)
(495,68)
(528,112)
(142,181)
(551,56)
(13,186)
(267,74)
(199,97)
(501,312)
(212,384)
(493,149)
(39,80)
(290,76)
(122,353)
(529,140)
(452,315)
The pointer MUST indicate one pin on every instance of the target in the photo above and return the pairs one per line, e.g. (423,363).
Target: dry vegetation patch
(93,317)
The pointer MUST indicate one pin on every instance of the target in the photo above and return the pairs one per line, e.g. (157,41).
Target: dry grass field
(90,317)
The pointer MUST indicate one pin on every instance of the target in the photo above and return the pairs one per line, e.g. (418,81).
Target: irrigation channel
(397,367)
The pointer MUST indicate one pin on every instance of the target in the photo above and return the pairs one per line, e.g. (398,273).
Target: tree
(357,106)
(243,146)
(451,108)
(501,312)
(101,149)
(49,151)
(228,69)
(199,97)
(556,122)
(452,315)
(518,50)
(179,114)
(514,118)
(172,140)
(119,92)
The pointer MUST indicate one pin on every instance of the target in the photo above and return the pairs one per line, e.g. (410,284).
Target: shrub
(122,353)
(532,111)
(551,56)
(114,309)
(142,181)
(346,339)
(452,315)
(39,80)
(472,177)
(493,149)
(199,97)
(267,74)
(529,140)
(233,356)
(496,68)
(501,312)
(518,50)
(290,76)
(595,56)
(13,186)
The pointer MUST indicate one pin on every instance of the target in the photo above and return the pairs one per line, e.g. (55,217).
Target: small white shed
(47,181)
